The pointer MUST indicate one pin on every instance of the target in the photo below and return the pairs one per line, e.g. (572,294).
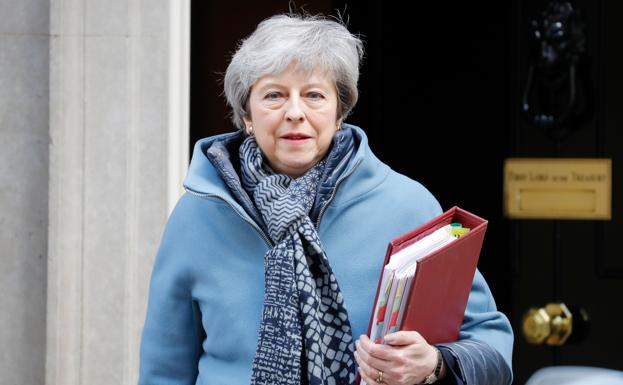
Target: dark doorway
(577,262)
(440,93)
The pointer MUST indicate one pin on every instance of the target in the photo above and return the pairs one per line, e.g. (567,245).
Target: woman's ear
(248,124)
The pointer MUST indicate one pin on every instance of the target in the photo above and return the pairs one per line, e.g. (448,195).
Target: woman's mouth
(295,138)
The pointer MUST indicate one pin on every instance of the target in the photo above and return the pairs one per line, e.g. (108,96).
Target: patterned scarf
(304,317)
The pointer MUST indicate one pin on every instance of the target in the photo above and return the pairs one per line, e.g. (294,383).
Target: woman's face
(294,119)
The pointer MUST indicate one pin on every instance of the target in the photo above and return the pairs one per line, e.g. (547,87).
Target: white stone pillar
(24,50)
(118,128)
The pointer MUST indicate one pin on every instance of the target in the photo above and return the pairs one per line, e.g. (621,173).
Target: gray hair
(311,42)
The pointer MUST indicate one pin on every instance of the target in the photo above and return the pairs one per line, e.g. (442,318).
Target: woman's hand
(405,359)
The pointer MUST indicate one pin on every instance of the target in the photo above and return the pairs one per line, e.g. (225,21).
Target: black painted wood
(580,259)
(440,94)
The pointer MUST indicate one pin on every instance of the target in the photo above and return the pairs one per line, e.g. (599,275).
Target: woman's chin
(294,169)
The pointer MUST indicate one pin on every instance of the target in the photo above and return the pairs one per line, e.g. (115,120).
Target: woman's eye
(272,95)
(315,95)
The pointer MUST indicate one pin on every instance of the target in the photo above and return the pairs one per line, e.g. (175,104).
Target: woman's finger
(369,380)
(404,338)
(370,360)
(366,370)
(378,351)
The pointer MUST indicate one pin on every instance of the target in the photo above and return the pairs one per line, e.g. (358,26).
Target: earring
(339,125)
(250,130)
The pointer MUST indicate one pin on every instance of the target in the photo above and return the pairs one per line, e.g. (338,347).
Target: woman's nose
(294,110)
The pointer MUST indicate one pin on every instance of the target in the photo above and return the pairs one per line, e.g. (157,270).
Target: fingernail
(388,338)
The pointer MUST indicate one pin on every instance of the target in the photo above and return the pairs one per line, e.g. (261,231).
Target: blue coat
(207,285)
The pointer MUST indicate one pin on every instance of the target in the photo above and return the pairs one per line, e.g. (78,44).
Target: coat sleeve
(484,349)
(172,333)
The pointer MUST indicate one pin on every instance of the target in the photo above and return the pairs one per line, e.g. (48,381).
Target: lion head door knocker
(554,98)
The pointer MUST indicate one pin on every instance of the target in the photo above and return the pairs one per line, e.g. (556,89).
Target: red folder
(443,279)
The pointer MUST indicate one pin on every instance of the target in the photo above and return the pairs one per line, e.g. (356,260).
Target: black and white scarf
(304,321)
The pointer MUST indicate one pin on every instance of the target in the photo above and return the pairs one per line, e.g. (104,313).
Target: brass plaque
(557,188)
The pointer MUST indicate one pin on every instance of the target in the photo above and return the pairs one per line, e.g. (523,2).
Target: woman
(268,266)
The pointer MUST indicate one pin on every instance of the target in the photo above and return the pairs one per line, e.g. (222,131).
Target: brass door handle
(552,324)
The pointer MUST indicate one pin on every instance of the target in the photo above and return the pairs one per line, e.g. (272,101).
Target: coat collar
(362,173)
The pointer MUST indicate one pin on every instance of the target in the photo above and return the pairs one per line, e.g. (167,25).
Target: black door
(440,99)
(578,262)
